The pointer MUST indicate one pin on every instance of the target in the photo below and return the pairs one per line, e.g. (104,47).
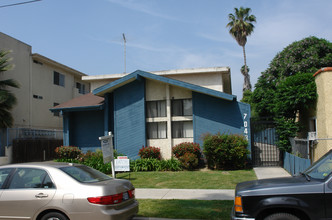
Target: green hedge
(225,151)
(155,165)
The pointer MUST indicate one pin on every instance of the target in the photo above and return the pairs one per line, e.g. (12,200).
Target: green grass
(188,179)
(185,209)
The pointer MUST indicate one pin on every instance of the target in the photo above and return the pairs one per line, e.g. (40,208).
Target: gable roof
(84,102)
(101,91)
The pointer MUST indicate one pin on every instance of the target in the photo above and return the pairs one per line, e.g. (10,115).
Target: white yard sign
(122,164)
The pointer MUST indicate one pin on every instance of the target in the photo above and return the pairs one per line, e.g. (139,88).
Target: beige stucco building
(323,137)
(216,78)
(44,83)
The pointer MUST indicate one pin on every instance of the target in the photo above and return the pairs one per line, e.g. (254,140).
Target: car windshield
(321,168)
(85,174)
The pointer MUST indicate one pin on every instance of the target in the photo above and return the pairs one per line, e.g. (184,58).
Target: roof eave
(79,108)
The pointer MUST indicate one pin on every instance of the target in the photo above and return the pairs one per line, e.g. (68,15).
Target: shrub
(149,153)
(91,159)
(68,152)
(154,165)
(225,151)
(188,153)
(96,161)
(189,161)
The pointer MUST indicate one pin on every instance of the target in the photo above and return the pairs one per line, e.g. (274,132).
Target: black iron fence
(265,152)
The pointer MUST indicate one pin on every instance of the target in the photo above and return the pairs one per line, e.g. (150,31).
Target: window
(157,130)
(182,129)
(85,174)
(56,113)
(182,107)
(37,97)
(156,109)
(58,79)
(3,175)
(30,178)
(80,87)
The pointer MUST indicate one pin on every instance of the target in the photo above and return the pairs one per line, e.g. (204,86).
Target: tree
(287,88)
(240,27)
(7,99)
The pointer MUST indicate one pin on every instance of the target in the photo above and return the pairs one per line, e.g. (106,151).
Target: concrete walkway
(270,172)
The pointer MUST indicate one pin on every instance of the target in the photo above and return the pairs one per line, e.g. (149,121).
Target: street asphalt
(204,194)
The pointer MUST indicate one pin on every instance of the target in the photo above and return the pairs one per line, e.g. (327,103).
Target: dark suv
(306,196)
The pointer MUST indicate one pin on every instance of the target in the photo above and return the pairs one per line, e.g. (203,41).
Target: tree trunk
(246,84)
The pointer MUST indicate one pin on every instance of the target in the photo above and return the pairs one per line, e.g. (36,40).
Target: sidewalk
(199,194)
(206,194)
(203,194)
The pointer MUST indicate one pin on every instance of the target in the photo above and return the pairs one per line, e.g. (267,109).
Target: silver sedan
(62,191)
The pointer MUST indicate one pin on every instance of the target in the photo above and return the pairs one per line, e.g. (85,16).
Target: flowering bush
(149,152)
(186,147)
(68,152)
(188,153)
(189,161)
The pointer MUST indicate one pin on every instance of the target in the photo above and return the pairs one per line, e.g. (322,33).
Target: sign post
(107,149)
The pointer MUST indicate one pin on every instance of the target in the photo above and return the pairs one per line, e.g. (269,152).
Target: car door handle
(41,195)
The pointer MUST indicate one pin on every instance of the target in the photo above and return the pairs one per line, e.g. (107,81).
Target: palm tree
(7,99)
(240,27)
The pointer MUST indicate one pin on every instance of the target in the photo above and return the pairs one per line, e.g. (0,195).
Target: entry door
(29,189)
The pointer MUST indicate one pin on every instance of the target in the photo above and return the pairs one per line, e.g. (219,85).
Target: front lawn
(188,179)
(185,209)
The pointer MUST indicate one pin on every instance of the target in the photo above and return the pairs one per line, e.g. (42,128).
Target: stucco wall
(218,80)
(42,85)
(37,92)
(324,111)
(20,54)
(161,91)
(207,80)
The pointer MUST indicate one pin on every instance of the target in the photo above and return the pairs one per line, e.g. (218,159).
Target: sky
(87,35)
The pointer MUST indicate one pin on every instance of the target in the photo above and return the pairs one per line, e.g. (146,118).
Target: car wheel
(281,216)
(54,216)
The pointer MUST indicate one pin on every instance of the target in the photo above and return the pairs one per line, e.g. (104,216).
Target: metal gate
(265,152)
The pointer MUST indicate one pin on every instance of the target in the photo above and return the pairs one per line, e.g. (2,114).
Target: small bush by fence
(294,165)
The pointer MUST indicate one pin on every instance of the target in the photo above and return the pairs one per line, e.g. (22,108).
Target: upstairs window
(156,109)
(58,79)
(182,107)
(80,87)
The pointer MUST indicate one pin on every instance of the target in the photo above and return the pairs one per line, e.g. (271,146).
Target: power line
(20,3)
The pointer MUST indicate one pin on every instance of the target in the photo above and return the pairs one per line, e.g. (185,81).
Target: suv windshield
(85,174)
(321,168)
